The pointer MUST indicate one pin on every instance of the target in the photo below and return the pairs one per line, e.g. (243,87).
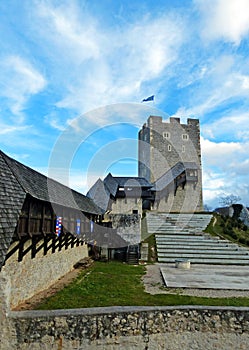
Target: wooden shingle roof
(16,182)
(12,197)
(103,191)
(114,182)
(43,188)
(124,181)
(111,184)
(100,194)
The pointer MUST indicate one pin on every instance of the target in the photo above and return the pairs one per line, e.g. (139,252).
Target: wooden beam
(33,247)
(22,252)
(12,251)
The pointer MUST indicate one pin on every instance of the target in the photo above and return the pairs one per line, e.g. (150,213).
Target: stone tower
(163,146)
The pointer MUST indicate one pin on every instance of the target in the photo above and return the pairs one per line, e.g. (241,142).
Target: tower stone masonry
(162,147)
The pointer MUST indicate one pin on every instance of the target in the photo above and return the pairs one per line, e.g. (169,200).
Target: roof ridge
(44,188)
(35,171)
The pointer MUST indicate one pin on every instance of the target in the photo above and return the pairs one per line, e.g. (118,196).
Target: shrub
(231,234)
(242,240)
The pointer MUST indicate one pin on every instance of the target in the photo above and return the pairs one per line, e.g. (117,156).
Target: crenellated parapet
(163,144)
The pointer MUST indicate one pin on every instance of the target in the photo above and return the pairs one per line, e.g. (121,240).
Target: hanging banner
(78,226)
(58,225)
(91,226)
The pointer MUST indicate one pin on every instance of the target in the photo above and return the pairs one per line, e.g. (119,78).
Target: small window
(166,135)
(185,137)
(183,148)
(169,148)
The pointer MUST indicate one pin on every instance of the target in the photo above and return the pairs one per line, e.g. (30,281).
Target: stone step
(203,256)
(182,237)
(172,232)
(203,245)
(200,251)
(216,261)
(190,239)
(180,234)
(167,227)
(186,238)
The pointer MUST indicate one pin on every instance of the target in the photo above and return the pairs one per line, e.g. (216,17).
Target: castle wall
(126,205)
(144,152)
(185,200)
(131,328)
(30,276)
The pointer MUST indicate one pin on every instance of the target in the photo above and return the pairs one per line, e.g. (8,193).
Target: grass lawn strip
(119,284)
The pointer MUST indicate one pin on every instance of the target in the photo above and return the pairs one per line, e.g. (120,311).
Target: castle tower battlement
(163,144)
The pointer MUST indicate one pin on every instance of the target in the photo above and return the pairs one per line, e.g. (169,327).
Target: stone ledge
(120,309)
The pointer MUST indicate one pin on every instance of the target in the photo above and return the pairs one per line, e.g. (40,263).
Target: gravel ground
(154,284)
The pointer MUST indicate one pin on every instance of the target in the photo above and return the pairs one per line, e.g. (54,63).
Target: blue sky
(73,74)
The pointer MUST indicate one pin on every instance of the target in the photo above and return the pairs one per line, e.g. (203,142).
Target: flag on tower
(150,98)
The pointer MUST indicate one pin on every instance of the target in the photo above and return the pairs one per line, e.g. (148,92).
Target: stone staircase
(181,236)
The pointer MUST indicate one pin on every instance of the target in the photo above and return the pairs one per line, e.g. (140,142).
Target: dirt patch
(37,299)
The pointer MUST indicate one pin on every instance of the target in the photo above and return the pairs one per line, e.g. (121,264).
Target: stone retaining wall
(126,328)
(128,226)
(30,276)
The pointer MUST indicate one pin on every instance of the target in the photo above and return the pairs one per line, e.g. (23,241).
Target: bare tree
(207,207)
(227,200)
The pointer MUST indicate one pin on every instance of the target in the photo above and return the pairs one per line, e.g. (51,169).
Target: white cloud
(9,129)
(19,81)
(225,170)
(213,183)
(78,38)
(222,82)
(151,45)
(105,64)
(53,120)
(77,179)
(225,19)
(234,126)
(241,168)
(220,153)
(140,56)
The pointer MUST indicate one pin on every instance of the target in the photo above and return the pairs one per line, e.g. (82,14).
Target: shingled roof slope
(114,182)
(111,184)
(16,181)
(41,187)
(12,197)
(100,194)
(124,181)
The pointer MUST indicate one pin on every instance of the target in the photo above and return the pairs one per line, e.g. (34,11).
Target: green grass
(115,283)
